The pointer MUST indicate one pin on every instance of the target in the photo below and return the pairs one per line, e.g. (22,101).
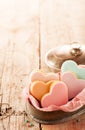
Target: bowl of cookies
(56,97)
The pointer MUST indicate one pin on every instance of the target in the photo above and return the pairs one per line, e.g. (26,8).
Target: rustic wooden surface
(28,29)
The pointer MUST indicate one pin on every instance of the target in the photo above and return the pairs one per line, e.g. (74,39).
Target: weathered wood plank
(15,77)
(76,124)
(18,59)
(62,22)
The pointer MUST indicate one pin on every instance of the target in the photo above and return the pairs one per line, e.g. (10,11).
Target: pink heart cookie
(74,84)
(58,95)
(37,75)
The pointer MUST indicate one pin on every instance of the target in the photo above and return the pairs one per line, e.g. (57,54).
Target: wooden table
(28,29)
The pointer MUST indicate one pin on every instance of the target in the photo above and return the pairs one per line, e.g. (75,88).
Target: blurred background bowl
(56,56)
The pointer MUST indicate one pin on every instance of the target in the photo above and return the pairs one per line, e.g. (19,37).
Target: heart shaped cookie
(37,75)
(73,67)
(74,84)
(58,95)
(39,88)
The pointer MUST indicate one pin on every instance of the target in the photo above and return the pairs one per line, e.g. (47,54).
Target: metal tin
(56,56)
(53,117)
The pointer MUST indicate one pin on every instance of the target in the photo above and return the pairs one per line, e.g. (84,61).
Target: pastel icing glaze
(58,95)
(74,84)
(72,66)
(38,75)
(39,88)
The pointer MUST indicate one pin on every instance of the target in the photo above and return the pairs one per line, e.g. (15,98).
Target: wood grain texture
(19,54)
(62,22)
(73,125)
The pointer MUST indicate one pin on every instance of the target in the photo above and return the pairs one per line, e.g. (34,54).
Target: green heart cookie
(72,66)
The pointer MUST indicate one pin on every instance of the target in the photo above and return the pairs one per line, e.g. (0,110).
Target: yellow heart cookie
(40,88)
